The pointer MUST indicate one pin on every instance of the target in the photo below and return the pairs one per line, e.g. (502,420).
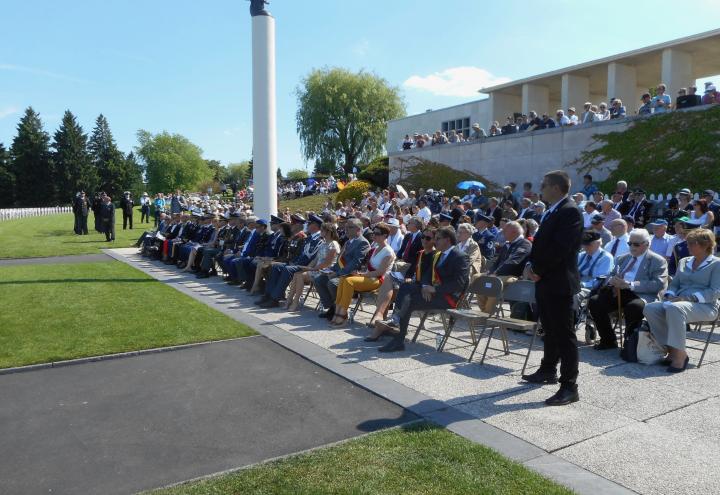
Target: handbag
(629,348)
(649,351)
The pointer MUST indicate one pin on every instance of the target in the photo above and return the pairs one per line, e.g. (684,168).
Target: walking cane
(620,317)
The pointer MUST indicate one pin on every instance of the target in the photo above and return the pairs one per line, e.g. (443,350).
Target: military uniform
(107,220)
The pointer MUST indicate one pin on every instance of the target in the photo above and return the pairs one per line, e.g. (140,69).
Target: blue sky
(184,66)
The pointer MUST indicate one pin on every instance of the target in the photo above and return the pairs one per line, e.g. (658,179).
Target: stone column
(677,71)
(264,126)
(535,97)
(574,92)
(622,83)
(502,106)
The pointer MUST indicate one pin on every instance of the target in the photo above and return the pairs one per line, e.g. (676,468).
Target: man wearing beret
(639,208)
(485,235)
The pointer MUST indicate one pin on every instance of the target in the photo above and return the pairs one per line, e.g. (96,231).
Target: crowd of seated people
(661,102)
(383,245)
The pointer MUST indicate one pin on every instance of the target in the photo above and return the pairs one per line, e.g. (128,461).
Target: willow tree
(342,116)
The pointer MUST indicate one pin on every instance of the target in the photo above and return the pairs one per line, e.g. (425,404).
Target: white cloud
(361,48)
(40,72)
(7,111)
(455,81)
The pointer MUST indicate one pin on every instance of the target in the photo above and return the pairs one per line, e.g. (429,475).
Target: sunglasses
(636,244)
(428,238)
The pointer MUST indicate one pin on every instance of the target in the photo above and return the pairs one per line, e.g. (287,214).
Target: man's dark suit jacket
(454,274)
(496,214)
(555,248)
(412,254)
(512,258)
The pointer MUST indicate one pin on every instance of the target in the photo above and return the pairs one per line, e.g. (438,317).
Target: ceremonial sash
(436,280)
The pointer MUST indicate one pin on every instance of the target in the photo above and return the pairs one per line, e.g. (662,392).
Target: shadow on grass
(75,280)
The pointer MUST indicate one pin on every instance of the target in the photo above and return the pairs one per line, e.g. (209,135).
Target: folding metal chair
(358,304)
(487,286)
(706,341)
(520,291)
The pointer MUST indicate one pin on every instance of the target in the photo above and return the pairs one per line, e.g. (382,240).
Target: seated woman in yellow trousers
(379,263)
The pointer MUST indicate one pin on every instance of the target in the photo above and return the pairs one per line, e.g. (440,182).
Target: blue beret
(484,218)
(276,219)
(445,217)
(260,221)
(315,219)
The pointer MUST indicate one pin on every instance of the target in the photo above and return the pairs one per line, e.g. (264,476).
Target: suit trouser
(127,218)
(605,302)
(209,254)
(83,224)
(280,277)
(145,214)
(668,320)
(558,323)
(413,300)
(76,227)
(326,288)
(109,230)
(350,285)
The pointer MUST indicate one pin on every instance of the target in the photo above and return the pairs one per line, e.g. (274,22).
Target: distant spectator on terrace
(711,95)
(419,141)
(682,99)
(453,137)
(548,122)
(646,107)
(494,129)
(617,110)
(524,123)
(661,102)
(509,127)
(589,188)
(407,143)
(572,115)
(562,120)
(586,118)
(693,98)
(477,132)
(603,112)
(535,122)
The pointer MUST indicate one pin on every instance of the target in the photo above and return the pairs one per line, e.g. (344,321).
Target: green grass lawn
(418,460)
(36,237)
(65,311)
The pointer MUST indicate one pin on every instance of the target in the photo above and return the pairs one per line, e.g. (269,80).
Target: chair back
(520,291)
(487,286)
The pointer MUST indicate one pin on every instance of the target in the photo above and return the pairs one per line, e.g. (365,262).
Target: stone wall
(519,158)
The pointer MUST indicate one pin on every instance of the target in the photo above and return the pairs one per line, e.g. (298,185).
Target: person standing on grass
(82,206)
(126,204)
(107,218)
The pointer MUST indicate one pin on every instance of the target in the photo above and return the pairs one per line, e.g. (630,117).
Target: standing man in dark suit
(449,279)
(107,219)
(553,268)
(126,205)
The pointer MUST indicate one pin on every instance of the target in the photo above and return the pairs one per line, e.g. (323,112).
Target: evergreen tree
(107,159)
(31,164)
(133,175)
(74,170)
(7,179)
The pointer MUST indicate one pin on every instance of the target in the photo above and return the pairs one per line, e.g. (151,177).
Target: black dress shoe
(563,397)
(271,303)
(262,300)
(604,346)
(203,275)
(395,345)
(541,377)
(329,314)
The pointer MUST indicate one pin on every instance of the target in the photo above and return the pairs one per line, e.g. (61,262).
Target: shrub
(377,172)
(354,190)
(297,174)
(417,173)
(660,153)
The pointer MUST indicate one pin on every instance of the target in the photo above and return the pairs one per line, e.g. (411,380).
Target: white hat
(393,222)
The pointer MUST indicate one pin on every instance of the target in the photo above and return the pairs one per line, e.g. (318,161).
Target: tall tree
(107,158)
(7,179)
(31,164)
(343,115)
(219,172)
(133,175)
(171,161)
(238,172)
(73,166)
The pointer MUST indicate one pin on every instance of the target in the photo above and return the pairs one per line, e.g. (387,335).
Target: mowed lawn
(65,311)
(52,235)
(417,460)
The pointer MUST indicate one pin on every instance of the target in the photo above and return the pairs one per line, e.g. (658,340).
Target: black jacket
(555,248)
(512,258)
(454,275)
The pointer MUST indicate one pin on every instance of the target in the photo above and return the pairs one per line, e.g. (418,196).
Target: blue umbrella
(470,184)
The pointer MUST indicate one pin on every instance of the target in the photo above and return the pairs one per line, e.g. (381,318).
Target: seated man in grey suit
(351,256)
(638,276)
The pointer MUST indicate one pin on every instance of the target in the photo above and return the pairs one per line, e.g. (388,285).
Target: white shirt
(630,275)
(379,255)
(395,241)
(425,214)
(587,219)
(622,245)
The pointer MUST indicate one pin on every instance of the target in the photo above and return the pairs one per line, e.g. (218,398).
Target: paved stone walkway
(636,425)
(80,258)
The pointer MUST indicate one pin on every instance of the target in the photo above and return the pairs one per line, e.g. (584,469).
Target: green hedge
(377,172)
(354,190)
